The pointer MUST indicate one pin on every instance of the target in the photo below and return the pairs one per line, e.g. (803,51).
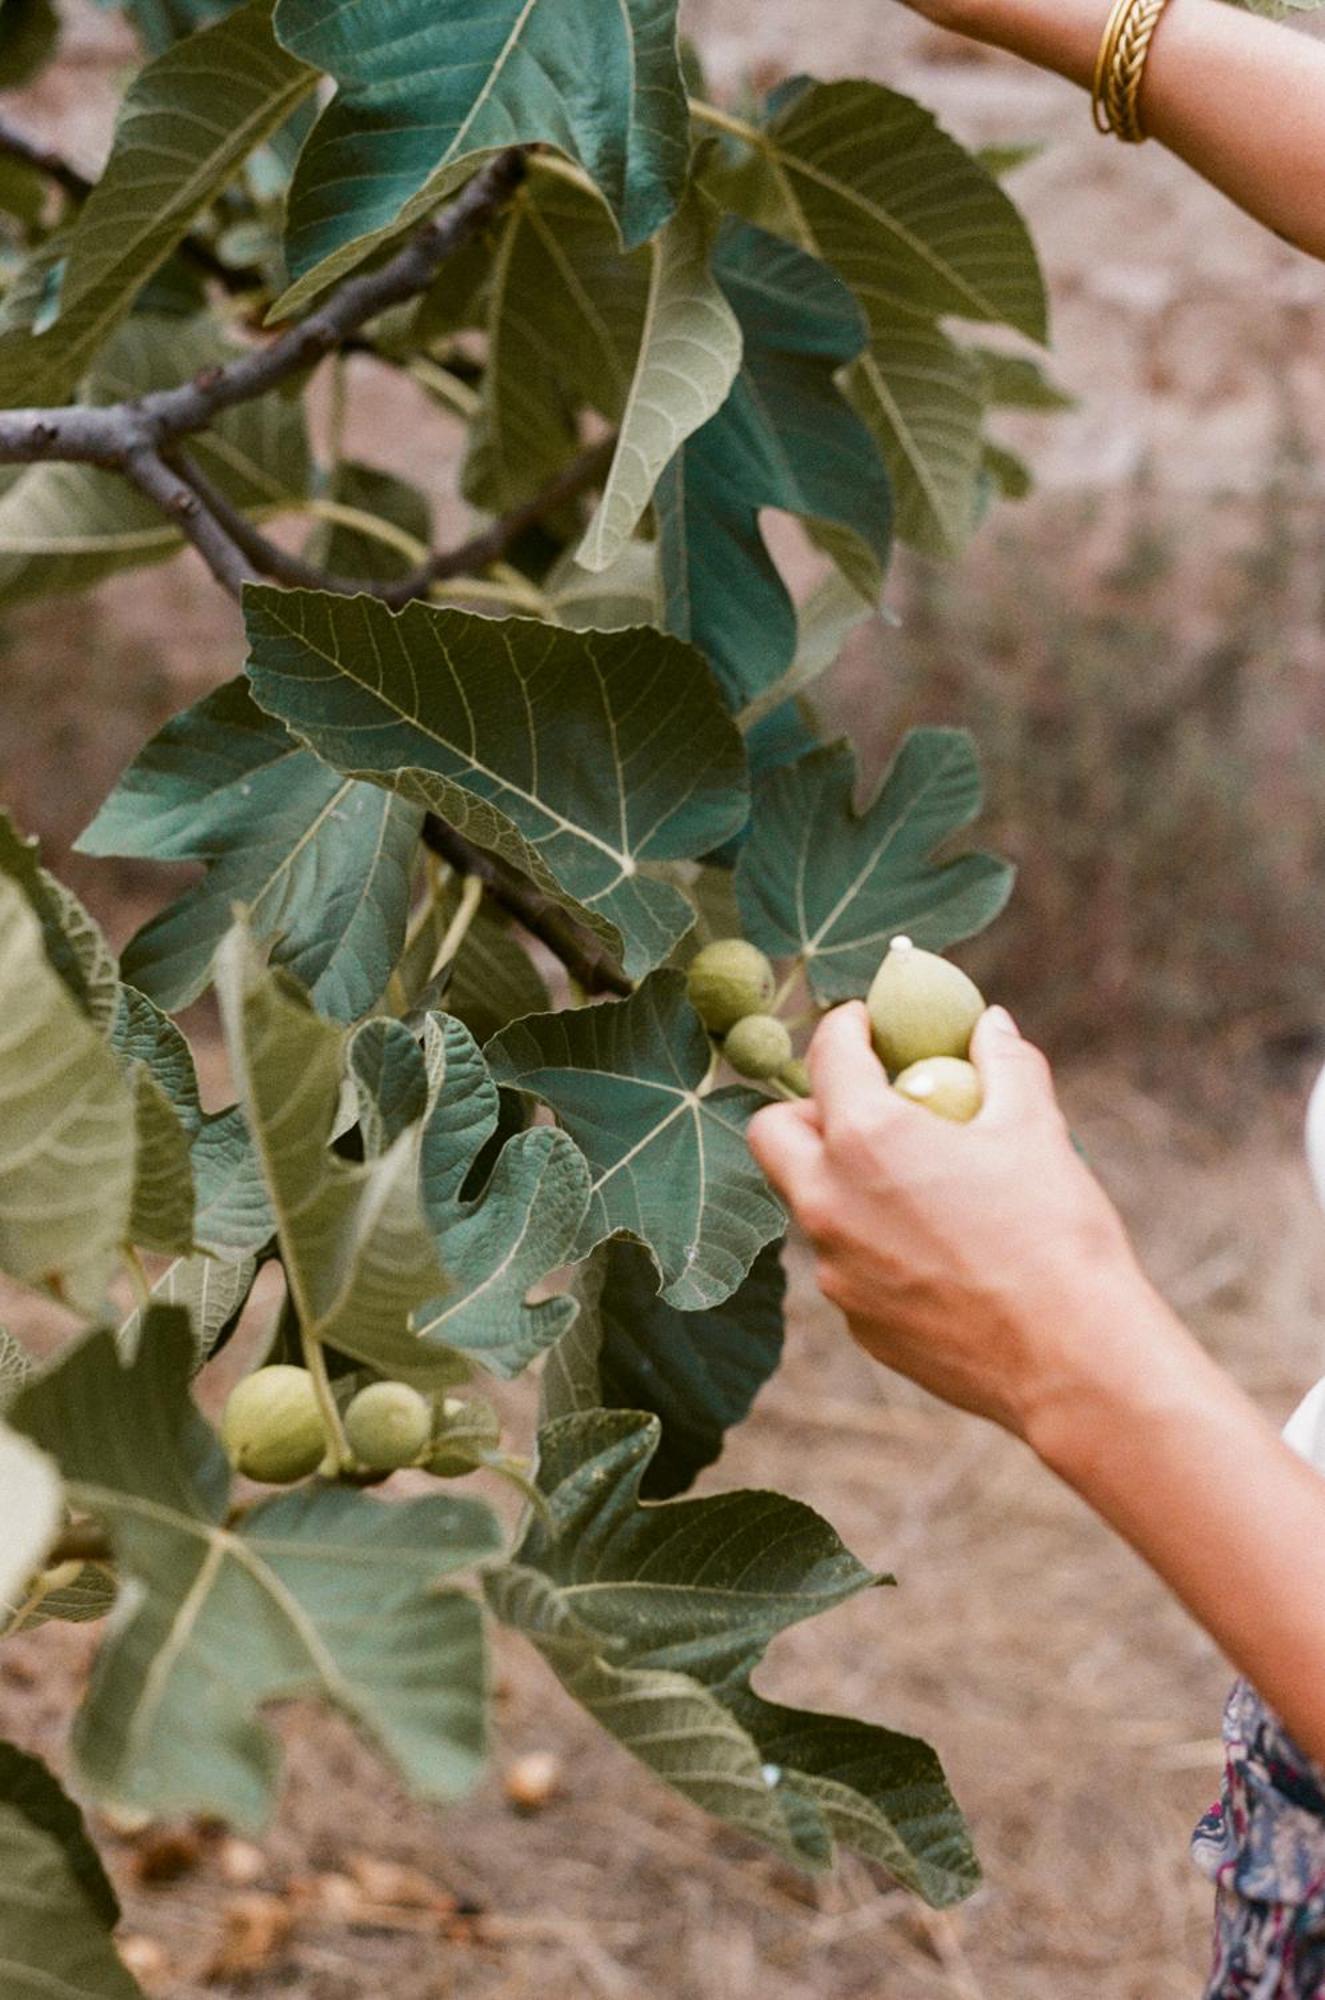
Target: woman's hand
(979,1259)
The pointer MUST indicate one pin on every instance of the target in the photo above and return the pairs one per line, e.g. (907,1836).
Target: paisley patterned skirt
(1263,1846)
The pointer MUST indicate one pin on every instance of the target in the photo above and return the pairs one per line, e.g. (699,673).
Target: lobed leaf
(189,120)
(786,438)
(74,944)
(689,353)
(522,1224)
(669,1163)
(66,1124)
(577,757)
(322,1591)
(357,1251)
(818,881)
(697,1372)
(321,864)
(655,1616)
(57,1907)
(427,88)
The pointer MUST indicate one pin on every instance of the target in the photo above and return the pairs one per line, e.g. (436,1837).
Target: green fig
(728,980)
(466,1432)
(758,1045)
(920,1005)
(272,1427)
(795,1075)
(388,1425)
(944,1084)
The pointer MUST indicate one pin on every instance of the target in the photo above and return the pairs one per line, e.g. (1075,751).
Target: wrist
(1129,1366)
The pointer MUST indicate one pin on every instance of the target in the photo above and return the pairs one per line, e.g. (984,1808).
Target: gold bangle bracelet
(1120,68)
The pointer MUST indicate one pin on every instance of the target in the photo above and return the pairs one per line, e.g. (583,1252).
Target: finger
(848,1078)
(787,1148)
(1014,1075)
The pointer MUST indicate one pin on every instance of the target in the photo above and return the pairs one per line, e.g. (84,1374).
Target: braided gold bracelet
(1120,68)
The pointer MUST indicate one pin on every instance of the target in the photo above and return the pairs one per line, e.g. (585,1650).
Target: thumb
(1014,1075)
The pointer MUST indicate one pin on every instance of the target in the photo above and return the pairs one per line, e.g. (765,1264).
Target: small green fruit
(757,1045)
(920,1005)
(387,1425)
(727,981)
(796,1076)
(944,1084)
(272,1427)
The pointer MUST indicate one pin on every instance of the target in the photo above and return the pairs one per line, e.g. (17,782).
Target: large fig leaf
(74,943)
(818,881)
(669,1161)
(57,1907)
(697,1372)
(357,1251)
(786,437)
(565,311)
(689,352)
(524,1222)
(426,86)
(63,527)
(189,120)
(919,230)
(67,1140)
(323,1591)
(655,1616)
(578,756)
(321,864)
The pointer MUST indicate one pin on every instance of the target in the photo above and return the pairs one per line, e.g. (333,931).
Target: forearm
(1241,99)
(1166,1448)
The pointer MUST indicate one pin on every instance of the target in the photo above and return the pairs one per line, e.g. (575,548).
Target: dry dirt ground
(1076,1708)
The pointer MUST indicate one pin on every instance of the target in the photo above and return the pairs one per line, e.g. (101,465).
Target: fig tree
(388,1425)
(920,1005)
(757,1045)
(944,1084)
(726,981)
(272,1427)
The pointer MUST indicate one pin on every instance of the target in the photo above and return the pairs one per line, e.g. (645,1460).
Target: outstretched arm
(1239,98)
(985,1261)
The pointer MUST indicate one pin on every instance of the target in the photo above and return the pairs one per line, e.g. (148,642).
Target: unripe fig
(920,1005)
(758,1045)
(387,1425)
(796,1076)
(728,980)
(272,1427)
(944,1084)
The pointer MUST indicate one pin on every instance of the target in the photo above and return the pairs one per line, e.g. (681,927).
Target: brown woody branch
(584,957)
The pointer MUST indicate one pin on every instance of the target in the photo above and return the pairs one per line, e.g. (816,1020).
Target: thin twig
(110,434)
(17,145)
(468,558)
(580,952)
(171,492)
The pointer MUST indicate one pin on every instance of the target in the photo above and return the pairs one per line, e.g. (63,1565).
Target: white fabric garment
(1305,1430)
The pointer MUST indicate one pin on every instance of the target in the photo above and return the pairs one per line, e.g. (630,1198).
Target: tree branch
(178,501)
(110,434)
(583,956)
(18,145)
(468,558)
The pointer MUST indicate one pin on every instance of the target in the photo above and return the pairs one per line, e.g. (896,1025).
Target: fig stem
(471,897)
(316,1363)
(138,1273)
(788,986)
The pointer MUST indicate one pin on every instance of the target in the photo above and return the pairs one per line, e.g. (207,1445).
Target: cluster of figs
(922,1009)
(922,1012)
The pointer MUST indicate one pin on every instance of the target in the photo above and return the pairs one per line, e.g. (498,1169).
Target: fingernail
(1000,1018)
